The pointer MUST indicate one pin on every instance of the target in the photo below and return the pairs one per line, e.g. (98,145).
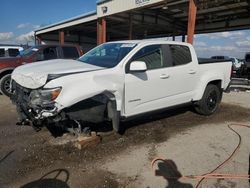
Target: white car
(10,51)
(117,81)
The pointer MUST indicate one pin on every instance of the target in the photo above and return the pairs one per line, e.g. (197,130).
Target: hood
(35,75)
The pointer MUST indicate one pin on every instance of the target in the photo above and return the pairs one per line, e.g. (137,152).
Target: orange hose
(212,175)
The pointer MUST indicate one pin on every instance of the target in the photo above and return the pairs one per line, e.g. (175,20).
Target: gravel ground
(194,144)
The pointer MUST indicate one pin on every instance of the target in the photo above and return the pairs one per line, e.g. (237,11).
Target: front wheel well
(2,74)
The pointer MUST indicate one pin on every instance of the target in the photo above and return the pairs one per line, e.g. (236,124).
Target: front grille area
(28,107)
(21,98)
(21,94)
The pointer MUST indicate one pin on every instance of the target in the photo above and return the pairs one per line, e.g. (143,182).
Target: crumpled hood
(35,75)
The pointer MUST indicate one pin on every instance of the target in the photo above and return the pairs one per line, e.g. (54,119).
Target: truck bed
(210,60)
(216,69)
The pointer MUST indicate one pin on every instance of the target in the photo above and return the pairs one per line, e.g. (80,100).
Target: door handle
(191,72)
(164,76)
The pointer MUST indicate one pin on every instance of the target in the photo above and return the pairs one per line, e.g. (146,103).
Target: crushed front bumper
(29,110)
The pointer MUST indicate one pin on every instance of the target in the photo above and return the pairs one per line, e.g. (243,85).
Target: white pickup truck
(117,81)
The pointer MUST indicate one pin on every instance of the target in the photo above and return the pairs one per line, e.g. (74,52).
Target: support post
(104,30)
(38,40)
(101,31)
(191,21)
(61,37)
(183,38)
(130,35)
(174,32)
(79,38)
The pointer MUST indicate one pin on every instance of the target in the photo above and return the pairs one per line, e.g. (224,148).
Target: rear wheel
(210,101)
(5,85)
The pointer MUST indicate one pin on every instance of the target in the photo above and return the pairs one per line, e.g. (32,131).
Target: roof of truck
(145,41)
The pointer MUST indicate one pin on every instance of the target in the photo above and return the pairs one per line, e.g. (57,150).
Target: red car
(34,54)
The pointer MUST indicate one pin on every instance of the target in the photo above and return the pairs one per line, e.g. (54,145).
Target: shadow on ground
(169,171)
(142,119)
(48,182)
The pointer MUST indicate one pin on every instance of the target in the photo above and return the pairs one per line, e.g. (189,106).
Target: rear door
(13,52)
(183,75)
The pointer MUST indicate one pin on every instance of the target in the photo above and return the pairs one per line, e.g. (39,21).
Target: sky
(18,18)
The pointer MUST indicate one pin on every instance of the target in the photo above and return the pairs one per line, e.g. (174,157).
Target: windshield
(29,51)
(107,55)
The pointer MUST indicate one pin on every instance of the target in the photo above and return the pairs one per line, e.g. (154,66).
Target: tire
(210,101)
(5,85)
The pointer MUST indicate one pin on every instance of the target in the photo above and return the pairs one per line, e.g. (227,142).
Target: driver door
(145,91)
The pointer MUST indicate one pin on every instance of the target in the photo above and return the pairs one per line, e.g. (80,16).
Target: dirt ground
(193,144)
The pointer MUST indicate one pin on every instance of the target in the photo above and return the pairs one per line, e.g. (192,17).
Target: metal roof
(102,1)
(161,19)
(171,17)
(81,18)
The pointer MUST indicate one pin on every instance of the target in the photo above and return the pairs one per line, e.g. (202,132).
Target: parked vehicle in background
(117,81)
(220,57)
(247,61)
(241,61)
(10,51)
(34,54)
(236,63)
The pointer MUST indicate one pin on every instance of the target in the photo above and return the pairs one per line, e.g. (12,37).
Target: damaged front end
(38,108)
(35,106)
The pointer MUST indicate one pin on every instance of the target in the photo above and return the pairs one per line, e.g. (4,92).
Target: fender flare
(6,69)
(201,89)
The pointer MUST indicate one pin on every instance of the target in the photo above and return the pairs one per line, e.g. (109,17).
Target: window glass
(13,52)
(70,52)
(180,54)
(151,55)
(107,55)
(2,52)
(29,51)
(50,53)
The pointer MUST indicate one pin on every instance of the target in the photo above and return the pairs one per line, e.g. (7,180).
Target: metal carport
(78,30)
(139,19)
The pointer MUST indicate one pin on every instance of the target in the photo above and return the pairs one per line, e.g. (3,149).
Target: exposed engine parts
(36,113)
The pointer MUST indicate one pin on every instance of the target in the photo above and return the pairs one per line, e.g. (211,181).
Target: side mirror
(138,66)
